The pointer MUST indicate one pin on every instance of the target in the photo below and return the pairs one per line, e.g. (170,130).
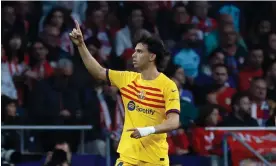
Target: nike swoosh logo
(173,90)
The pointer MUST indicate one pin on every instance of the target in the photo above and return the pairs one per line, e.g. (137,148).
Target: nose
(134,55)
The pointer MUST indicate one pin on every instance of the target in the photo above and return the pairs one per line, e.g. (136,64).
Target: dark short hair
(131,7)
(214,67)
(155,46)
(236,98)
(185,28)
(254,47)
(214,53)
(206,111)
(171,69)
(255,79)
(93,41)
(58,157)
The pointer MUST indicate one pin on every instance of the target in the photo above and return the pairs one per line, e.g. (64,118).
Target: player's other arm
(94,68)
(172,105)
(171,123)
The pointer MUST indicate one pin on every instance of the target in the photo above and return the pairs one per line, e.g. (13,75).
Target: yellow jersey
(146,103)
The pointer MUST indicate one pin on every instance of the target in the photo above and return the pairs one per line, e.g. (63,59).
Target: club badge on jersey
(141,94)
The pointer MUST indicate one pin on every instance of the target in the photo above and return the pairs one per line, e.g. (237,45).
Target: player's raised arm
(94,68)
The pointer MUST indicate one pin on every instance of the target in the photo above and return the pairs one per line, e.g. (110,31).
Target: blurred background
(222,58)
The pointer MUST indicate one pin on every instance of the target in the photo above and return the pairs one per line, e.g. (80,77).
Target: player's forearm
(94,68)
(171,123)
(167,126)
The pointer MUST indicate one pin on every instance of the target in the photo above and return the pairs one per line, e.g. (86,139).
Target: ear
(152,57)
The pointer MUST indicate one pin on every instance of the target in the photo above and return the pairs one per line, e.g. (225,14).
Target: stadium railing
(20,128)
(230,132)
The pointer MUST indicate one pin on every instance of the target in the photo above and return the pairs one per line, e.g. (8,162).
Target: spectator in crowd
(213,39)
(260,107)
(98,28)
(188,116)
(15,47)
(51,36)
(123,38)
(15,52)
(220,92)
(93,46)
(179,17)
(187,52)
(205,75)
(178,143)
(261,33)
(11,22)
(271,82)
(252,68)
(76,8)
(110,14)
(217,57)
(7,85)
(56,157)
(165,62)
(55,101)
(270,52)
(58,17)
(234,53)
(240,115)
(200,17)
(203,141)
(9,116)
(54,27)
(39,64)
(151,10)
(234,11)
(272,120)
(56,97)
(9,111)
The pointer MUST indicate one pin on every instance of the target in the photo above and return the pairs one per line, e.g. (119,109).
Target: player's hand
(135,133)
(76,35)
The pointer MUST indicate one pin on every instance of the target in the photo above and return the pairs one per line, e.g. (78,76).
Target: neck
(150,73)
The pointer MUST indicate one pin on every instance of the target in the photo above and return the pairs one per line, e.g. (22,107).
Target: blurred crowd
(222,58)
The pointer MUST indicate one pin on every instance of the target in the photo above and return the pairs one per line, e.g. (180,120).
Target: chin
(135,66)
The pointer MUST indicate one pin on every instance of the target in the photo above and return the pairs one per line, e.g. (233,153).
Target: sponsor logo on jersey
(144,110)
(132,106)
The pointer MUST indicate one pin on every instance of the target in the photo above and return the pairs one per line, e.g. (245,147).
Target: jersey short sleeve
(171,96)
(120,78)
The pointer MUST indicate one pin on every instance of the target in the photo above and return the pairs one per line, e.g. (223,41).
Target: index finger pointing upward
(77,24)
